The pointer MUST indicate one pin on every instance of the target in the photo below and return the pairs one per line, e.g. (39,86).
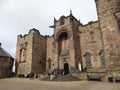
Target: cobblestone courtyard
(26,84)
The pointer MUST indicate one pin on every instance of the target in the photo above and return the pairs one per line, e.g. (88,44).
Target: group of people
(31,75)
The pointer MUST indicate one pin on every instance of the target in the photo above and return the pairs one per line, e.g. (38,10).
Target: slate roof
(3,53)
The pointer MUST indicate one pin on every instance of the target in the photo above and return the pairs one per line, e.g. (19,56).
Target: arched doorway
(66,69)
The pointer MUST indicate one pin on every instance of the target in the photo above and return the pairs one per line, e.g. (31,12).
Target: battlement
(31,32)
(64,21)
(65,17)
(89,23)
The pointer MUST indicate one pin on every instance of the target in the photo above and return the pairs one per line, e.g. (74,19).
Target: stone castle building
(90,48)
(6,63)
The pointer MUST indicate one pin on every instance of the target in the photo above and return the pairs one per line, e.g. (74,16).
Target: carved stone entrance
(66,69)
(63,52)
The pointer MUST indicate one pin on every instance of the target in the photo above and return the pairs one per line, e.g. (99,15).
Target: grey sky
(19,16)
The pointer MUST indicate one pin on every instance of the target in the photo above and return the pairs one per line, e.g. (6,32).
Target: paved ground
(26,84)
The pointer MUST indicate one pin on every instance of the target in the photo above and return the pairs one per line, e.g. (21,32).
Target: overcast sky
(19,16)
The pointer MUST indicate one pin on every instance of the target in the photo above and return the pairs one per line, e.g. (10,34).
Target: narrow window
(88,59)
(40,62)
(102,58)
(49,64)
(118,18)
(92,36)
(62,20)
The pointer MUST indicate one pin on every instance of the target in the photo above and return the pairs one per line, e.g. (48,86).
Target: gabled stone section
(6,63)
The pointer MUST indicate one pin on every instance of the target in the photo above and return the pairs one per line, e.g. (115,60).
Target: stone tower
(66,43)
(109,19)
(31,53)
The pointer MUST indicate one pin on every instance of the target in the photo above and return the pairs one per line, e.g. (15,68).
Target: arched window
(22,55)
(88,59)
(102,58)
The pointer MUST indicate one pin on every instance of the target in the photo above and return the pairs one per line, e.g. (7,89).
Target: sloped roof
(3,53)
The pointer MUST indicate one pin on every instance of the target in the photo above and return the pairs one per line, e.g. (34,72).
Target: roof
(3,53)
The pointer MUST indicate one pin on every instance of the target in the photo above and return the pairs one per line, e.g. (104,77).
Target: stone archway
(66,68)
(63,44)
(63,41)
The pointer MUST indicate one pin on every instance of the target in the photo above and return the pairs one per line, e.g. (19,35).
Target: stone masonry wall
(110,32)
(39,53)
(50,53)
(76,39)
(91,42)
(6,65)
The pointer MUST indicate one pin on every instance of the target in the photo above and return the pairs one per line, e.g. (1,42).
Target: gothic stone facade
(91,48)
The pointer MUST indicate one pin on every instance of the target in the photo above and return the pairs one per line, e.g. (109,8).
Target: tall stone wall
(109,22)
(76,39)
(39,53)
(91,42)
(50,54)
